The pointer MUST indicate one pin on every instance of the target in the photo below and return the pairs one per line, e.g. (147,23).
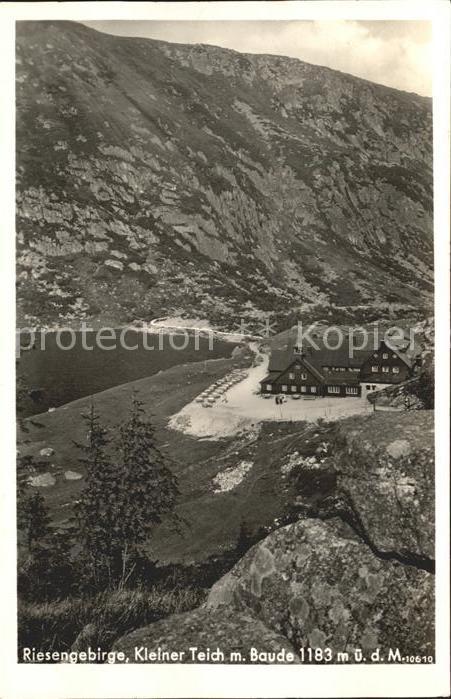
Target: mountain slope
(153,177)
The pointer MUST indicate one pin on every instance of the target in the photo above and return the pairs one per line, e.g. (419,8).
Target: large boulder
(385,469)
(206,630)
(320,586)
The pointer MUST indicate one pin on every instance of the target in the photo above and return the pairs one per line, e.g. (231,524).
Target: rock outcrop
(355,572)
(154,176)
(376,474)
(228,630)
(385,468)
(320,586)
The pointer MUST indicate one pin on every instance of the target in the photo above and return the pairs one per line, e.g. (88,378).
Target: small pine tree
(124,497)
(94,511)
(32,517)
(148,488)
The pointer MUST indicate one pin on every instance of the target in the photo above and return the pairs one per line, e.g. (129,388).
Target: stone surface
(43,480)
(317,584)
(226,629)
(385,465)
(47,451)
(72,475)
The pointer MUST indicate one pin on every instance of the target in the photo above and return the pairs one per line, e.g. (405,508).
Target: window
(333,389)
(394,356)
(385,369)
(395,370)
(351,391)
(269,387)
(303,389)
(284,387)
(374,369)
(375,354)
(313,389)
(385,356)
(373,387)
(368,388)
(304,377)
(326,368)
(291,375)
(293,389)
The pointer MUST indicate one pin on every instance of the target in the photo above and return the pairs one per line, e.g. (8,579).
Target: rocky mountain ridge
(154,177)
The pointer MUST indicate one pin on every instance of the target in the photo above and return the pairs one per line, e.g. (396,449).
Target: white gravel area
(245,408)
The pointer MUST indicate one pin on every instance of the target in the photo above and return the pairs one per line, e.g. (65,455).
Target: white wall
(377,387)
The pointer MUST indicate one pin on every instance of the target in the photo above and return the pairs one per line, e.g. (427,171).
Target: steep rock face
(227,629)
(320,586)
(153,177)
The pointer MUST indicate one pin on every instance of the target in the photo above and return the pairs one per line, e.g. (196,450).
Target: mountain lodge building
(332,372)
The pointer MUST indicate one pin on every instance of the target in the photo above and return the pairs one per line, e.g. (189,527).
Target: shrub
(55,625)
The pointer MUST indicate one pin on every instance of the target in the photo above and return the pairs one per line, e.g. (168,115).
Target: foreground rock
(317,584)
(385,468)
(227,629)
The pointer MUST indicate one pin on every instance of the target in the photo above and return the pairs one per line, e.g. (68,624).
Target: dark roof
(338,357)
(341,356)
(270,377)
(338,379)
(280,359)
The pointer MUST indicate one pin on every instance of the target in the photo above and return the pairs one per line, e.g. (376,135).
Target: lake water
(52,376)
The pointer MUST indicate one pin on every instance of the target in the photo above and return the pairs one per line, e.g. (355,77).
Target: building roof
(338,379)
(280,359)
(348,354)
(270,377)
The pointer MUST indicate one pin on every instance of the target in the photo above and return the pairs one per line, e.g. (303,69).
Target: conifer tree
(94,510)
(125,494)
(148,487)
(32,517)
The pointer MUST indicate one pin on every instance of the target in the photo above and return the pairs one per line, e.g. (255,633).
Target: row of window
(293,388)
(385,369)
(291,376)
(384,356)
(350,390)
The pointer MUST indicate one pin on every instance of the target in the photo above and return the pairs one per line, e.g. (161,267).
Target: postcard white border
(80,681)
